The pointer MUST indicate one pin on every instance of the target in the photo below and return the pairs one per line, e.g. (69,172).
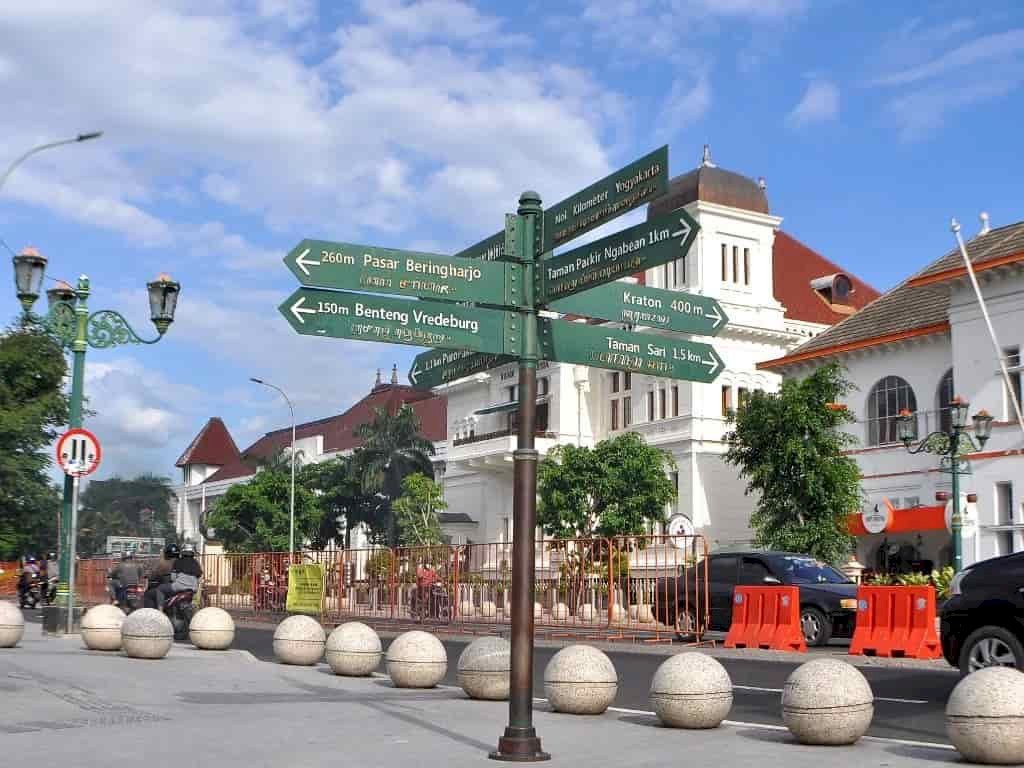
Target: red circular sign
(78,452)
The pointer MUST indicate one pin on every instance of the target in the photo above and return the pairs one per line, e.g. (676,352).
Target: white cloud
(686,103)
(984,50)
(222,189)
(295,14)
(819,104)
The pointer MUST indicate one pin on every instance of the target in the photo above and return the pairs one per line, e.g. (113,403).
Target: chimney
(985,228)
(394,373)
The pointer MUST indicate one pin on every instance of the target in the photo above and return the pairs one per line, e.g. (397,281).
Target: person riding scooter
(185,575)
(127,573)
(160,575)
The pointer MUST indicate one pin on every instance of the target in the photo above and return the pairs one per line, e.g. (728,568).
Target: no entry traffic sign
(78,452)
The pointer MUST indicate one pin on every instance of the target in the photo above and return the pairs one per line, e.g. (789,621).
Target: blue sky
(236,127)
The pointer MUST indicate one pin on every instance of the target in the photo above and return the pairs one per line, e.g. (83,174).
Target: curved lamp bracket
(62,322)
(108,328)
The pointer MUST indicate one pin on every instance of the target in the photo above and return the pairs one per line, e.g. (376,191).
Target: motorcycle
(132,598)
(38,591)
(178,608)
(435,605)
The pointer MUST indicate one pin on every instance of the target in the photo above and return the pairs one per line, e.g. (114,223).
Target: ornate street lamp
(29,266)
(951,446)
(61,293)
(163,299)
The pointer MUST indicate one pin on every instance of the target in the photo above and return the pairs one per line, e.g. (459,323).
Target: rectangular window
(735,264)
(1013,361)
(662,395)
(726,401)
(742,396)
(627,411)
(675,400)
(543,386)
(627,381)
(1004,503)
(511,391)
(542,417)
(650,405)
(725,263)
(746,266)
(615,382)
(615,415)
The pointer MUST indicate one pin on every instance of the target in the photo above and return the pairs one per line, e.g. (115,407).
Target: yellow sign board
(305,589)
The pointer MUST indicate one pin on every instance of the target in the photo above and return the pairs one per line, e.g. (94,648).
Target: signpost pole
(520,742)
(71,554)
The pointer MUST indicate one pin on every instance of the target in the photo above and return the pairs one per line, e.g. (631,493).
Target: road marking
(757,689)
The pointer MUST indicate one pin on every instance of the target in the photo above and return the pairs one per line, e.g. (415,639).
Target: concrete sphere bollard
(985,716)
(416,660)
(147,634)
(466,608)
(212,629)
(488,609)
(484,668)
(560,612)
(691,690)
(101,628)
(354,650)
(12,625)
(538,611)
(645,615)
(299,640)
(586,613)
(618,614)
(827,702)
(580,680)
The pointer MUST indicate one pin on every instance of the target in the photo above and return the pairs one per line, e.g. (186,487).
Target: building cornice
(961,271)
(838,349)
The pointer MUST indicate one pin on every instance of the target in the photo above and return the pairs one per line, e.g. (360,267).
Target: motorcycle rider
(159,575)
(185,575)
(127,573)
(29,571)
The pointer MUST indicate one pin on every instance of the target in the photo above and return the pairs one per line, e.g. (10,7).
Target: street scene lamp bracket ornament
(107,328)
(61,322)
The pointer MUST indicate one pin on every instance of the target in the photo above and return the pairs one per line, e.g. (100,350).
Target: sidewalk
(90,709)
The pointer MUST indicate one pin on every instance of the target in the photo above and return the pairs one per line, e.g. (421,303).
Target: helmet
(129,554)
(30,559)
(188,551)
(171,551)
(52,556)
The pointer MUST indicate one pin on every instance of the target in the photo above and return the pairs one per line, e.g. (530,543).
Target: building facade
(777,294)
(914,348)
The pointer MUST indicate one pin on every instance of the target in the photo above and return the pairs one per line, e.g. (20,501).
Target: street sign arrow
(346,266)
(630,187)
(650,307)
(432,369)
(625,253)
(620,350)
(343,315)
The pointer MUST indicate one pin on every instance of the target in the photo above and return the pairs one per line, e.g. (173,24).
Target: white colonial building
(914,348)
(776,292)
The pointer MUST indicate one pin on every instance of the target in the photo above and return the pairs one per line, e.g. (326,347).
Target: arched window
(943,397)
(888,397)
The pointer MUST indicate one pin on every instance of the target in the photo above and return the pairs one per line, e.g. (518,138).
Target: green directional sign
(347,266)
(618,193)
(343,315)
(491,249)
(620,350)
(432,369)
(625,253)
(651,307)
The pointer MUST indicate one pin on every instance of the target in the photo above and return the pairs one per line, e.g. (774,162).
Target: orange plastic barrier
(896,621)
(766,617)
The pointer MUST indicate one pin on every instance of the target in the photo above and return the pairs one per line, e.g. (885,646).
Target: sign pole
(520,742)
(71,554)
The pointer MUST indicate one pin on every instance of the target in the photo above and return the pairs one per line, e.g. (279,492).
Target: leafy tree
(344,504)
(139,507)
(33,406)
(613,489)
(789,447)
(392,449)
(416,511)
(254,516)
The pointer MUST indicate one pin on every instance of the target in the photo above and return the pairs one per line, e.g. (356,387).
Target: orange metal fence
(650,588)
(8,578)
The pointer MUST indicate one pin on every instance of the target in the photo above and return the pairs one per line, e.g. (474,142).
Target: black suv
(828,600)
(982,623)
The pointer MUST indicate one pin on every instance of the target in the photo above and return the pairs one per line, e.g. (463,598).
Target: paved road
(909,701)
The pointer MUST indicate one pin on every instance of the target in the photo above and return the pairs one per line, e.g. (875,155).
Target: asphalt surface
(909,702)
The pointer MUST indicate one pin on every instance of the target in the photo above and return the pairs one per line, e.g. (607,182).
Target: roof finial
(378,382)
(761,183)
(706,159)
(394,373)
(985,228)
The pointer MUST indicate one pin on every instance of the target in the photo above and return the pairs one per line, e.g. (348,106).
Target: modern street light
(23,157)
(951,446)
(68,318)
(291,511)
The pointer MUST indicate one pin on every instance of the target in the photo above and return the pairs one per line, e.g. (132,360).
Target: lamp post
(950,445)
(69,320)
(291,510)
(50,145)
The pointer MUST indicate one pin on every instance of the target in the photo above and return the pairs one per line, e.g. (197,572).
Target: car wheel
(991,646)
(816,627)
(686,624)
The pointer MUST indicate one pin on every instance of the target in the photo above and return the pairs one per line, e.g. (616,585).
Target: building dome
(711,184)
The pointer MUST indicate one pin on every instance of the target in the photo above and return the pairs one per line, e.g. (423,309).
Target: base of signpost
(519,745)
(55,619)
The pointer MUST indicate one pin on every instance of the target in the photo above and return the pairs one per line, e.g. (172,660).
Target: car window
(723,569)
(806,570)
(753,571)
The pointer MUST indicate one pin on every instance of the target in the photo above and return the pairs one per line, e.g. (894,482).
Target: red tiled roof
(213,445)
(794,266)
(337,431)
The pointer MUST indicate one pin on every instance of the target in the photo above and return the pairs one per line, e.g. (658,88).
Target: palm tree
(392,449)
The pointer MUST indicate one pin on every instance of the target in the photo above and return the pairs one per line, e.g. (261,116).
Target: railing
(508,432)
(649,588)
